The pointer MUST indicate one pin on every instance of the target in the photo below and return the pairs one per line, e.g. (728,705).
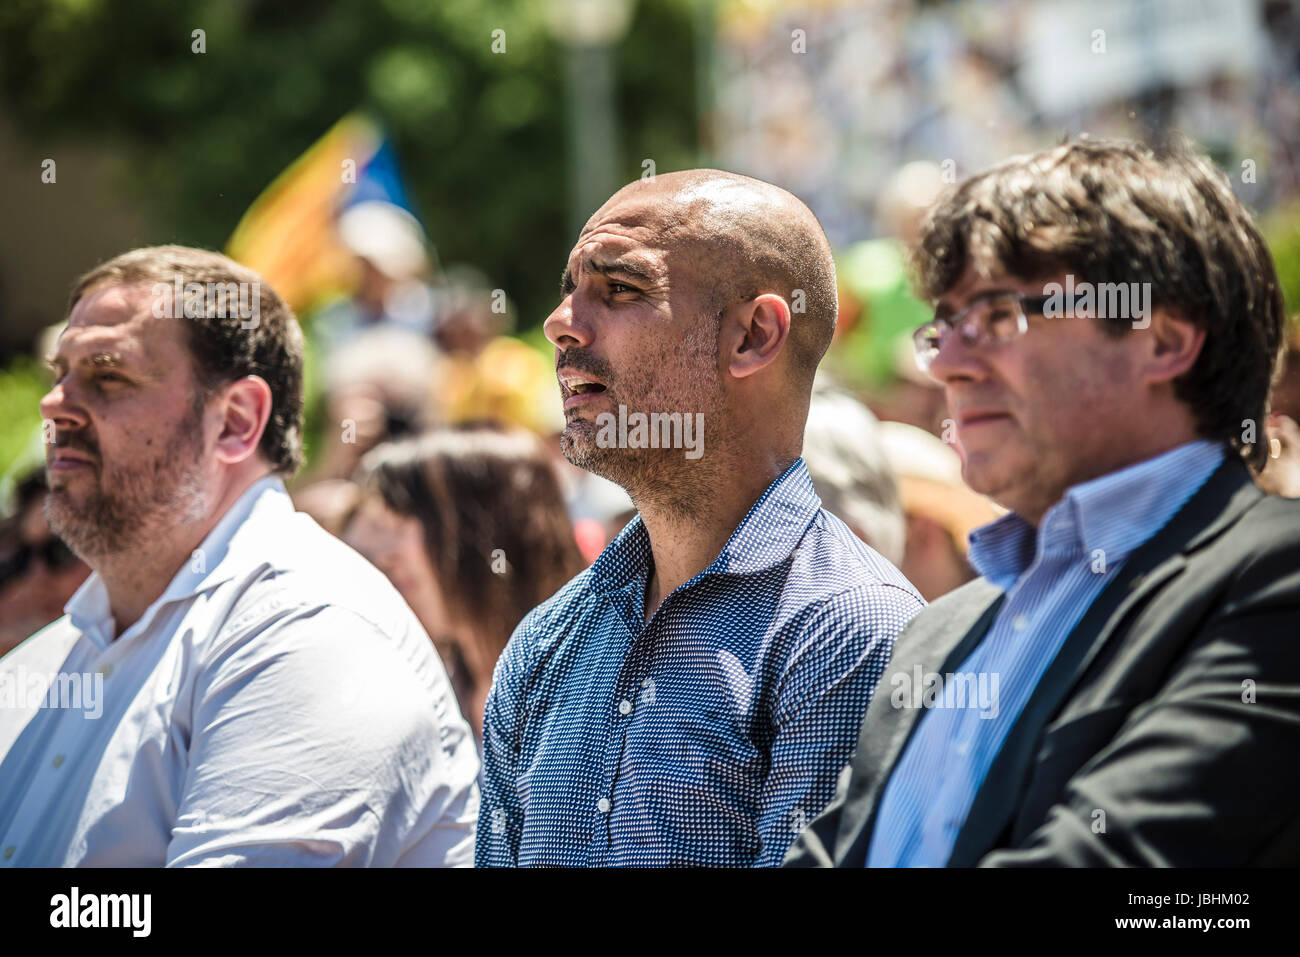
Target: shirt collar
(769,532)
(1107,516)
(208,565)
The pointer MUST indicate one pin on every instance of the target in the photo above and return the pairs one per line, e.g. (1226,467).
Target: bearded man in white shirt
(232,686)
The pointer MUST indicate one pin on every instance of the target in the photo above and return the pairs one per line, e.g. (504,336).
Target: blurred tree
(479,133)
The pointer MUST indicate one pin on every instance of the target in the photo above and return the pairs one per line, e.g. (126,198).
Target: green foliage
(21,388)
(480,136)
(1282,231)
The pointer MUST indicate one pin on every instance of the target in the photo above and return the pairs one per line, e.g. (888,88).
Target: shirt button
(58,760)
(603,805)
(625,707)
(9,851)
(1020,623)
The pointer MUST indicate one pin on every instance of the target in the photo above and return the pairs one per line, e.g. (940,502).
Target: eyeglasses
(52,552)
(995,318)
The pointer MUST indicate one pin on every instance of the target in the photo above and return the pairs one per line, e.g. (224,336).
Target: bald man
(691,697)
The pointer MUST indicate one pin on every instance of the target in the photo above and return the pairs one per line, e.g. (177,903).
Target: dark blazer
(1173,708)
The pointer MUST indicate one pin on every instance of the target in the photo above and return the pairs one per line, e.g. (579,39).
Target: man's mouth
(65,461)
(578,388)
(972,417)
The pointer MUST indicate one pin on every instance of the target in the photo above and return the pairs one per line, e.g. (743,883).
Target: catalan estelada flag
(288,234)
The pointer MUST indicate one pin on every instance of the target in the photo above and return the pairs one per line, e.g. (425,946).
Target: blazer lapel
(1219,503)
(944,633)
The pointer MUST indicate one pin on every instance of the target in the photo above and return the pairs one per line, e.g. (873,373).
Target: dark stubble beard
(128,505)
(663,479)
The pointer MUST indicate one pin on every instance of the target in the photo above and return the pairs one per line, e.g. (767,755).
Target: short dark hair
(222,348)
(1121,212)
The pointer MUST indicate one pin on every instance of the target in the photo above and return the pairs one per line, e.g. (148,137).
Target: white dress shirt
(279,705)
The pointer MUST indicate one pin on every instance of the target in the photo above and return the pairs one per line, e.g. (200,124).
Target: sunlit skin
(136,480)
(634,316)
(1065,402)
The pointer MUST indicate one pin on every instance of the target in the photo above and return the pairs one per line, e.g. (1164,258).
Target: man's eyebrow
(608,267)
(97,360)
(945,309)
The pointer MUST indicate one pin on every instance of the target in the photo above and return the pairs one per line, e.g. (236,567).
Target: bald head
(742,238)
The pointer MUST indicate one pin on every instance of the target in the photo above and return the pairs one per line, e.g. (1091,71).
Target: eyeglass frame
(1026,306)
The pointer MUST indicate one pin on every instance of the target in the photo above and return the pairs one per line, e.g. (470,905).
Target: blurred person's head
(1041,404)
(701,294)
(376,389)
(469,313)
(850,472)
(907,197)
(941,510)
(1286,391)
(470,526)
(38,572)
(178,382)
(389,246)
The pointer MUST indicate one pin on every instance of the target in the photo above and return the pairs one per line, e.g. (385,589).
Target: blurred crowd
(875,84)
(433,427)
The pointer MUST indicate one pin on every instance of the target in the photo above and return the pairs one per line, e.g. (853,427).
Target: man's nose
(61,408)
(564,329)
(956,361)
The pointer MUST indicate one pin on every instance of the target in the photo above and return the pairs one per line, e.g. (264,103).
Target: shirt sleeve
(318,739)
(501,816)
(1203,774)
(821,700)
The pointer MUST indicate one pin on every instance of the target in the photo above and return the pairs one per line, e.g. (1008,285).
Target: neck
(137,576)
(1157,442)
(683,545)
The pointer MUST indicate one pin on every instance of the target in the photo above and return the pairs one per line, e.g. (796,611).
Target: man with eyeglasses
(1121,685)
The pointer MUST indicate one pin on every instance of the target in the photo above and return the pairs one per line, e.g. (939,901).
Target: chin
(989,474)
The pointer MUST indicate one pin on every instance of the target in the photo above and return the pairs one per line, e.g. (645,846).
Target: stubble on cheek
(157,484)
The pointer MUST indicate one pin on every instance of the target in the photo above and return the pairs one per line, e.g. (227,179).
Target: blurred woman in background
(470,526)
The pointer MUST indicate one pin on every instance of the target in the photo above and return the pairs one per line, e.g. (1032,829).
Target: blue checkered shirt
(709,735)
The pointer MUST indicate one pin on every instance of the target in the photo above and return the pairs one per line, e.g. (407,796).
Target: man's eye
(617,287)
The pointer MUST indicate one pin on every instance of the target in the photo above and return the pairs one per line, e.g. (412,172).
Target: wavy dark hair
(1121,212)
(495,526)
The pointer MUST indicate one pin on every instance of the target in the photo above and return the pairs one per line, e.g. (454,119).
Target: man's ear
(759,329)
(245,408)
(1170,346)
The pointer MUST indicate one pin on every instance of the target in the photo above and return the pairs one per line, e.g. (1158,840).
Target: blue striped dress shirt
(1051,577)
